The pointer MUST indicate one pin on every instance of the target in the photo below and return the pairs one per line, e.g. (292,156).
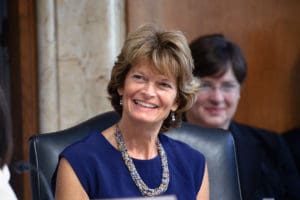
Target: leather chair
(217,145)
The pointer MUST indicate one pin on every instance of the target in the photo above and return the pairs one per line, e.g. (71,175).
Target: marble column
(78,41)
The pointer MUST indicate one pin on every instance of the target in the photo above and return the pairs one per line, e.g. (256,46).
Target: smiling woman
(151,86)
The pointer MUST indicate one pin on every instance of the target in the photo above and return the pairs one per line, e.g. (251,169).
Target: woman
(6,192)
(265,166)
(151,86)
(222,68)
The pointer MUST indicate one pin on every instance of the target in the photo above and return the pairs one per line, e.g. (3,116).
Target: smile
(215,110)
(147,105)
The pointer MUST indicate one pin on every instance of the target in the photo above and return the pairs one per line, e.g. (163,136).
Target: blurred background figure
(6,192)
(265,165)
(292,138)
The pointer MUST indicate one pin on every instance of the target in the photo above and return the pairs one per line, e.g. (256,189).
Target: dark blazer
(293,140)
(265,165)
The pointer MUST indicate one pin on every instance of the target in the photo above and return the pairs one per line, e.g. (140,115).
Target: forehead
(148,68)
(227,76)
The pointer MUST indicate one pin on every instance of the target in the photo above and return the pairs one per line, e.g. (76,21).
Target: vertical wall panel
(23,76)
(268,32)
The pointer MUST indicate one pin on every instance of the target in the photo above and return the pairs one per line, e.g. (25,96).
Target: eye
(138,77)
(205,85)
(165,84)
(229,86)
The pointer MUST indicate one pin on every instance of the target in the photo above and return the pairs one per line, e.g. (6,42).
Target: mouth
(144,104)
(214,110)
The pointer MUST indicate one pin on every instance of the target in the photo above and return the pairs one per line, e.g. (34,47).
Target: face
(217,101)
(147,95)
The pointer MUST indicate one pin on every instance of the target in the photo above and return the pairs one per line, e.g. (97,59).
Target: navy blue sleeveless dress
(103,174)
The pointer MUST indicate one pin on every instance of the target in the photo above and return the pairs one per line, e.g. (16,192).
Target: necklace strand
(144,189)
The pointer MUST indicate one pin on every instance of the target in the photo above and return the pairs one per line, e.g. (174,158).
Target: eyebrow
(226,81)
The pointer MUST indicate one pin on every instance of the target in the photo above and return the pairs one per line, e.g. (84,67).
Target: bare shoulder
(203,193)
(68,185)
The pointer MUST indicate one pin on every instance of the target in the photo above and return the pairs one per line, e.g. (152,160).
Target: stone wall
(78,41)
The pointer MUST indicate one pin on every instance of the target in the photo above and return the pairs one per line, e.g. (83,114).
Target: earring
(173,116)
(121,102)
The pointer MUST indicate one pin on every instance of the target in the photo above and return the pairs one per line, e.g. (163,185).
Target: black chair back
(217,146)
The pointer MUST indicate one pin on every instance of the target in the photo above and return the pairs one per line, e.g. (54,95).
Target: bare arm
(203,193)
(68,185)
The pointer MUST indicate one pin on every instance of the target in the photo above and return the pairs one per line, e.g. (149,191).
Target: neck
(140,141)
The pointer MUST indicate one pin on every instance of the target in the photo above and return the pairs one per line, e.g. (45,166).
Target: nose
(149,90)
(216,95)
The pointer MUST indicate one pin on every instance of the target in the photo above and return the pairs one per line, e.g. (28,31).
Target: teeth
(145,104)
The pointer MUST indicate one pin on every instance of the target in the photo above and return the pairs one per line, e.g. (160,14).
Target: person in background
(265,166)
(6,191)
(151,86)
(292,137)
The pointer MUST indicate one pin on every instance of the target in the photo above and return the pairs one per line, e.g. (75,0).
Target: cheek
(131,89)
(167,96)
(198,105)
(233,103)
(201,99)
(172,98)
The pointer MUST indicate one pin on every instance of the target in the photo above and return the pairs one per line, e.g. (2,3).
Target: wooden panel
(24,97)
(268,32)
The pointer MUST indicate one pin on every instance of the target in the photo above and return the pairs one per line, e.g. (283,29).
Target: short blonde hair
(170,55)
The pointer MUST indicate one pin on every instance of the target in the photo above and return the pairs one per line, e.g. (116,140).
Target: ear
(120,91)
(174,107)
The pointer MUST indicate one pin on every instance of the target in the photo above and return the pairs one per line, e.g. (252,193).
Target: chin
(215,124)
(145,119)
